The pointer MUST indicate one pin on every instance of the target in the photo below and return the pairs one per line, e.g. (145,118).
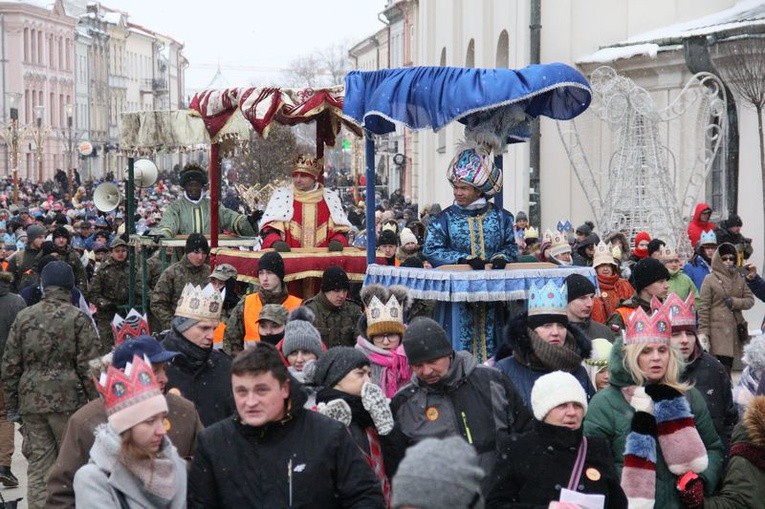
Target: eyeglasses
(385,337)
(728,258)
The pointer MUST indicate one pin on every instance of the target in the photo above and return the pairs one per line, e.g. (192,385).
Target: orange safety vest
(252,307)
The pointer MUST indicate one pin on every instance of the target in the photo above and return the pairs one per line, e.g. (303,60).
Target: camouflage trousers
(42,435)
(6,434)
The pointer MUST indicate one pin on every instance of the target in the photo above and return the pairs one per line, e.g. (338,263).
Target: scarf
(274,296)
(607,283)
(545,357)
(157,475)
(394,364)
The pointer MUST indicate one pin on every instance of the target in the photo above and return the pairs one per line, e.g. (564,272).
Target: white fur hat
(406,236)
(554,389)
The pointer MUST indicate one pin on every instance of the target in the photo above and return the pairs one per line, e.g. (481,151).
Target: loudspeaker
(145,173)
(106,197)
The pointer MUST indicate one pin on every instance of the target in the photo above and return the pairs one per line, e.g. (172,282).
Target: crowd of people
(610,390)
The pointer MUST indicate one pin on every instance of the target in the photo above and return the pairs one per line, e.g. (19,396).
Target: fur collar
(754,421)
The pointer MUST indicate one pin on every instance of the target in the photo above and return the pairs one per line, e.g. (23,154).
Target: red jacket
(696,227)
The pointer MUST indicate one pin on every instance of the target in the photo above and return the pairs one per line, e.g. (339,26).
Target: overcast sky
(252,40)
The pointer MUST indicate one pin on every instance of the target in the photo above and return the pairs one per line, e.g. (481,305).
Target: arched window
(470,54)
(503,51)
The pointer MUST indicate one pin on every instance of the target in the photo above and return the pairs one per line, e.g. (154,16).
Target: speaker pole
(130,229)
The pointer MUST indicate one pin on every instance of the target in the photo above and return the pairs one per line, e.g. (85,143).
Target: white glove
(641,401)
(336,409)
(376,404)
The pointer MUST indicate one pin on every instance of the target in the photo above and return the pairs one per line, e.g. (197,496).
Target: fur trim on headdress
(370,291)
(401,293)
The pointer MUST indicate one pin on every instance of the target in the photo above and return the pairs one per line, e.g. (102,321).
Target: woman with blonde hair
(132,462)
(661,434)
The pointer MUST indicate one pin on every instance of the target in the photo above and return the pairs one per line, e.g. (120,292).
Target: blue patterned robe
(487,233)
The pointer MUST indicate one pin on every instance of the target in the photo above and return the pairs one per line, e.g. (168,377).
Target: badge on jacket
(431,413)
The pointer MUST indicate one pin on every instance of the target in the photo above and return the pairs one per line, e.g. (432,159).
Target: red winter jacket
(696,227)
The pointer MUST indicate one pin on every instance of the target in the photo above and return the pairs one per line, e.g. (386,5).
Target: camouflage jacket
(337,326)
(170,285)
(109,290)
(71,257)
(23,266)
(45,363)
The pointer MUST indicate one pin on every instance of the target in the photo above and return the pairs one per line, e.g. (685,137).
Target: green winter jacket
(682,285)
(744,484)
(609,416)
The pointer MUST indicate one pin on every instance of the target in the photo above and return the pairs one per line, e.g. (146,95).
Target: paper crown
(559,244)
(564,226)
(385,317)
(616,251)
(708,237)
(134,324)
(549,299)
(531,233)
(643,329)
(304,163)
(603,255)
(200,303)
(666,254)
(476,167)
(130,396)
(547,237)
(682,313)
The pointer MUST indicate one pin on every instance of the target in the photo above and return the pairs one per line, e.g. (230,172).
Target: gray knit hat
(300,334)
(456,483)
(425,340)
(334,364)
(57,274)
(35,231)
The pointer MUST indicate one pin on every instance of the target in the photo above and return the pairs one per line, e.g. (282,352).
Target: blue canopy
(431,97)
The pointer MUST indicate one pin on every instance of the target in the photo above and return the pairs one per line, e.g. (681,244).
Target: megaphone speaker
(145,173)
(106,197)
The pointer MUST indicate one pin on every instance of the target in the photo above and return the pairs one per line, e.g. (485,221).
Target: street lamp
(11,133)
(38,133)
(69,108)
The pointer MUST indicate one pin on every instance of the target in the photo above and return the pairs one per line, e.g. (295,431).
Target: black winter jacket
(476,402)
(533,469)
(236,465)
(202,375)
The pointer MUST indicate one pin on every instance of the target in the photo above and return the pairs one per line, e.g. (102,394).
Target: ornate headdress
(384,317)
(304,163)
(564,226)
(547,304)
(475,166)
(531,233)
(643,329)
(559,244)
(131,396)
(708,237)
(682,313)
(200,303)
(603,255)
(666,254)
(133,325)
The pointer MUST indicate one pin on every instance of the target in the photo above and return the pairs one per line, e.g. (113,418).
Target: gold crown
(384,318)
(603,255)
(531,233)
(200,303)
(304,163)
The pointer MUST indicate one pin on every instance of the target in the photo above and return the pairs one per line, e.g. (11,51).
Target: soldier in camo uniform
(154,269)
(192,268)
(62,241)
(22,265)
(336,316)
(109,292)
(45,373)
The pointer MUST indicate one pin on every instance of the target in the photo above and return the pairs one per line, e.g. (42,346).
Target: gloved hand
(336,409)
(728,302)
(645,424)
(376,404)
(254,218)
(498,263)
(692,492)
(12,415)
(157,238)
(335,245)
(662,392)
(281,246)
(641,401)
(475,263)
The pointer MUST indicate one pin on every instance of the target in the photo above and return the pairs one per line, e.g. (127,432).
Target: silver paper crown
(200,303)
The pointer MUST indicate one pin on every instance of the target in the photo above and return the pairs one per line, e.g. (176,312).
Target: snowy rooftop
(745,14)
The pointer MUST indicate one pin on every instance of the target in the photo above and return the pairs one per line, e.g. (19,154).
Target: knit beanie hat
(272,262)
(646,272)
(197,242)
(57,274)
(407,236)
(578,286)
(521,216)
(555,389)
(334,278)
(300,334)
(35,231)
(425,340)
(456,483)
(413,262)
(640,237)
(387,237)
(60,231)
(734,220)
(334,364)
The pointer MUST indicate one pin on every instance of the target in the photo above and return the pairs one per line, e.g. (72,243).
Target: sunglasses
(728,258)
